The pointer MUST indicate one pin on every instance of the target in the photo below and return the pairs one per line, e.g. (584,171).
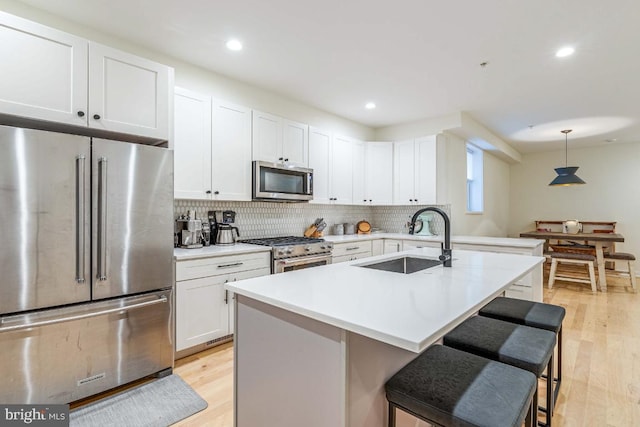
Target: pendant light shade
(567,174)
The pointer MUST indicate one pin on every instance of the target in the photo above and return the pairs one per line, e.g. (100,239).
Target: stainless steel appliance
(224,230)
(295,253)
(87,280)
(281,182)
(189,232)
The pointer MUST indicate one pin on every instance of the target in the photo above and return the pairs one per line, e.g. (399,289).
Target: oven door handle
(303,260)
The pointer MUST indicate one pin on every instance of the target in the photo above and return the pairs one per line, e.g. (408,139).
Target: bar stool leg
(392,415)
(550,396)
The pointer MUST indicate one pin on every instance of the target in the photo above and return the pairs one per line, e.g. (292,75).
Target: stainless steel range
(295,253)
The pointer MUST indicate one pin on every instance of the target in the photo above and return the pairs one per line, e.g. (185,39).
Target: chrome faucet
(446,247)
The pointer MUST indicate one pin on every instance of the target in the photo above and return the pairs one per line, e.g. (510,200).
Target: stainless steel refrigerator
(86,274)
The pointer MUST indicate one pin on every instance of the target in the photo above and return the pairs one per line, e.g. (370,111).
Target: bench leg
(552,273)
(632,273)
(592,277)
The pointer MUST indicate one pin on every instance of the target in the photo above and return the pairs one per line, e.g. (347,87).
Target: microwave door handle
(309,184)
(102,219)
(80,218)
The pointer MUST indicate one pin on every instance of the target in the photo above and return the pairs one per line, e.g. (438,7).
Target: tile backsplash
(264,219)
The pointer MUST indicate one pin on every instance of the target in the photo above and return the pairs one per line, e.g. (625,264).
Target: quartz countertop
(181,254)
(410,311)
(472,240)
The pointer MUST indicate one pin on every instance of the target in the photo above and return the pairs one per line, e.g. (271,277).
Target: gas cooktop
(282,241)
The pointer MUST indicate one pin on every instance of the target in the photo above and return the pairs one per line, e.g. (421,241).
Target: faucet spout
(445,257)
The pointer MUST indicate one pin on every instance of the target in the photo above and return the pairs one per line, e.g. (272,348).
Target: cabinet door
(425,170)
(127,93)
(267,137)
(44,72)
(231,152)
(342,170)
(295,143)
(391,246)
(192,145)
(230,296)
(404,162)
(360,196)
(201,311)
(379,172)
(319,158)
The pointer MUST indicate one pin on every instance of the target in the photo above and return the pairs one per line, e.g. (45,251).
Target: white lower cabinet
(527,288)
(392,245)
(351,251)
(204,310)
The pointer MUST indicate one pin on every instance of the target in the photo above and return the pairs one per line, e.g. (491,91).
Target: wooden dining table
(600,240)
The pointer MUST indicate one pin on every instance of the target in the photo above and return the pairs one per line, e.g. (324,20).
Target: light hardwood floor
(601,362)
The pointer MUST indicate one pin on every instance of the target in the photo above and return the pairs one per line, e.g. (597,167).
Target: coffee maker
(222,228)
(188,231)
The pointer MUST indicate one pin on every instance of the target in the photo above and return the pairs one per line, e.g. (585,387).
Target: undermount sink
(404,265)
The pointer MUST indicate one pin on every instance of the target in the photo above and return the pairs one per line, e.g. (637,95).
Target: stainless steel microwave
(281,183)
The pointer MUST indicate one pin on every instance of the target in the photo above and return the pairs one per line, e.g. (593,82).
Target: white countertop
(410,311)
(217,250)
(472,240)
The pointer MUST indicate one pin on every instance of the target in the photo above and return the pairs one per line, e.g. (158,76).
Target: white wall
(612,174)
(493,221)
(198,79)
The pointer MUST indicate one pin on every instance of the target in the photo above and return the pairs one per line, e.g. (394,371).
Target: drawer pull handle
(352,248)
(235,264)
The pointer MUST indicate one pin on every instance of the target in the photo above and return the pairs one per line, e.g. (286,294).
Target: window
(474,179)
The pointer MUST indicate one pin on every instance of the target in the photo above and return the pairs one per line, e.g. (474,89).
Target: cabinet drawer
(494,249)
(520,292)
(352,248)
(215,266)
(415,244)
(349,257)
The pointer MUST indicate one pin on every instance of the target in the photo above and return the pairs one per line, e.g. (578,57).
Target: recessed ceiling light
(234,44)
(370,105)
(565,51)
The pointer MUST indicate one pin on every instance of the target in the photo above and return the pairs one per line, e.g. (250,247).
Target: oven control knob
(280,252)
(308,248)
(289,251)
(323,247)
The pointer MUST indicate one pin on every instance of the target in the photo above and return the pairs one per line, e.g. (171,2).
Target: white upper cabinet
(127,93)
(267,137)
(379,173)
(192,145)
(212,148)
(426,171)
(359,170)
(231,151)
(44,72)
(295,143)
(319,161)
(404,172)
(54,76)
(341,190)
(415,171)
(279,140)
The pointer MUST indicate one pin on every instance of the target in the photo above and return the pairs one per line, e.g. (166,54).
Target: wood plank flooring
(601,361)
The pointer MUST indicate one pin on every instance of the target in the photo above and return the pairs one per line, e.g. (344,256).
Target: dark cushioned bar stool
(517,345)
(448,387)
(534,314)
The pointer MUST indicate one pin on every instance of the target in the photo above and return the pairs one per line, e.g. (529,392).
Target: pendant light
(567,174)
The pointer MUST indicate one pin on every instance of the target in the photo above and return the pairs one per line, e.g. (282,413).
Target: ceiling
(415,59)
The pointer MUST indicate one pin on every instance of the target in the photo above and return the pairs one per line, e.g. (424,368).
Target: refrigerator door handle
(80,218)
(102,219)
(68,318)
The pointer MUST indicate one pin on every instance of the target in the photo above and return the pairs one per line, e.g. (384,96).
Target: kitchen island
(314,347)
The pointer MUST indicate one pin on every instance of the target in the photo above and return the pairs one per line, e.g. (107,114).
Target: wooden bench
(587,227)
